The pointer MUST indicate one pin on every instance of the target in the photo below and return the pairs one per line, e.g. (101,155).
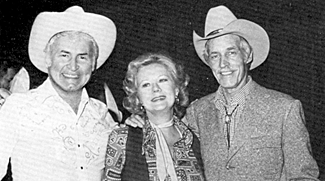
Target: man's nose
(224,61)
(73,65)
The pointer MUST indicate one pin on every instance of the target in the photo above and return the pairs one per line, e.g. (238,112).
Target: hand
(135,121)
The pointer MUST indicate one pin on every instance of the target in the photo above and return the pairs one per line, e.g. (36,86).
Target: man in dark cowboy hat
(247,132)
(56,131)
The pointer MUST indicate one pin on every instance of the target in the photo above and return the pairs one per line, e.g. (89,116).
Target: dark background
(294,66)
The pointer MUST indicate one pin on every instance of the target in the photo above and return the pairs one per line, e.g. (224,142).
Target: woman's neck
(160,117)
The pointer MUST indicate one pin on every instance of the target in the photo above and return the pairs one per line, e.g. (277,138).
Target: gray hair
(94,50)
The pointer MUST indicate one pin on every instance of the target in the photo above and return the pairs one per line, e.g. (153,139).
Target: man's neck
(229,94)
(73,98)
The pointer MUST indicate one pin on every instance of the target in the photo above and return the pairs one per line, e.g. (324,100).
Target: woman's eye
(163,80)
(145,85)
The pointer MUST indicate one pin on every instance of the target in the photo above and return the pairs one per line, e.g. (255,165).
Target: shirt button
(227,167)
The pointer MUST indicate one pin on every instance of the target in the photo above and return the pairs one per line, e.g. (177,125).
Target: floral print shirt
(47,140)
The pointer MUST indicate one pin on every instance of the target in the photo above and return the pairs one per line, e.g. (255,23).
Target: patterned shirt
(47,140)
(233,107)
(185,162)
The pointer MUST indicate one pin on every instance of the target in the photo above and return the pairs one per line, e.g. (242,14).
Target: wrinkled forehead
(73,40)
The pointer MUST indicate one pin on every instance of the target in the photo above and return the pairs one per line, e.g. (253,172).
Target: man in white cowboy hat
(56,132)
(247,132)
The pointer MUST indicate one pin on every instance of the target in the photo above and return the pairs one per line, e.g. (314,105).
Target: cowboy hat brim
(255,35)
(47,24)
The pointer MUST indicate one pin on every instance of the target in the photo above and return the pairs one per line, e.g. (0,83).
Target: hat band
(215,32)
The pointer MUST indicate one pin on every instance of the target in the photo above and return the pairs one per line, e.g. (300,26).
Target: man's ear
(48,61)
(249,59)
(94,64)
(206,55)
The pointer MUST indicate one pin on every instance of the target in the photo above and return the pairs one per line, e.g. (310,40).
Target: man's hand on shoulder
(135,121)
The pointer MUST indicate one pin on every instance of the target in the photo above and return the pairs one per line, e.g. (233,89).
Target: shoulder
(271,96)
(115,154)
(97,103)
(21,99)
(120,131)
(208,99)
(117,140)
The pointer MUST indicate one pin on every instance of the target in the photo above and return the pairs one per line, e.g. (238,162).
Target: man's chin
(228,85)
(73,88)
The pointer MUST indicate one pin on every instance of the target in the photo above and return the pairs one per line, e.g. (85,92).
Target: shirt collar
(46,91)
(238,98)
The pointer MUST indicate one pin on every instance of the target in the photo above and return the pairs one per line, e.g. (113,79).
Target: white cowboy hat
(47,24)
(221,21)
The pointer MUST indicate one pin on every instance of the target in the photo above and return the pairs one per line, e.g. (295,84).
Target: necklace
(228,120)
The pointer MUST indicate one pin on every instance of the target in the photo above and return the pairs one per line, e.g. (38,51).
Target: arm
(115,154)
(135,121)
(8,133)
(298,160)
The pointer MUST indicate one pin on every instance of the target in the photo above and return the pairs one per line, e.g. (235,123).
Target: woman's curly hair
(180,78)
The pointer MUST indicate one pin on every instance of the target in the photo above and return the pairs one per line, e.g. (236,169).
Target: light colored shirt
(230,107)
(47,140)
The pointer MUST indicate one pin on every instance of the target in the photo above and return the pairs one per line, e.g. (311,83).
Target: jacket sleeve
(299,163)
(115,154)
(190,119)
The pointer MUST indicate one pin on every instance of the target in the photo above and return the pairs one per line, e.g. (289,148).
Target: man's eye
(64,55)
(82,57)
(232,53)
(214,56)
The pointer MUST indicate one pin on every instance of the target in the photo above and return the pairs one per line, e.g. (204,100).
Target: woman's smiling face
(156,88)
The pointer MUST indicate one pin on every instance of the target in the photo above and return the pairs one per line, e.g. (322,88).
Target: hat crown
(47,24)
(218,18)
(221,21)
(75,9)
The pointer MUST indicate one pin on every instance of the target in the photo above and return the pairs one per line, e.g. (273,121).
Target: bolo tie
(228,121)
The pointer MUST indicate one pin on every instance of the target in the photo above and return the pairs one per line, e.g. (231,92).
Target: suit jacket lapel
(254,110)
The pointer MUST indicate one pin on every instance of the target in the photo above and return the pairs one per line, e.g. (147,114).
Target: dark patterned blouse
(185,161)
